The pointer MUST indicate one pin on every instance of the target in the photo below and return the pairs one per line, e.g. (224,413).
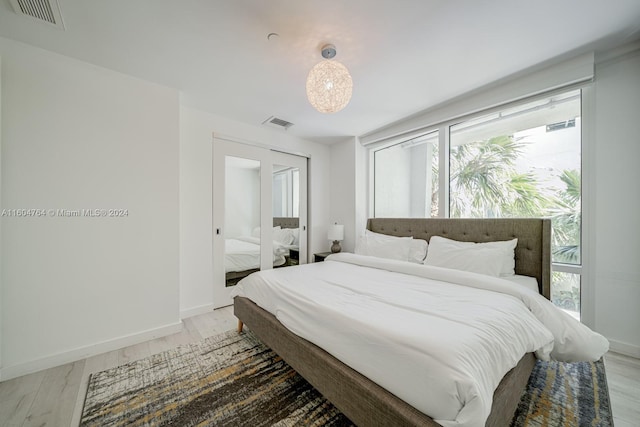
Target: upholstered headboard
(286,222)
(533,252)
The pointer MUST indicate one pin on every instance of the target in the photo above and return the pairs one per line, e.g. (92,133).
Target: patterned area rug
(565,394)
(234,380)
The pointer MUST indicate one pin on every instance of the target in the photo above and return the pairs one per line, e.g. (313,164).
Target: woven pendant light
(329,84)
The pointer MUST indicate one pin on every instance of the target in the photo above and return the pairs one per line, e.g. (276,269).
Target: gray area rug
(234,380)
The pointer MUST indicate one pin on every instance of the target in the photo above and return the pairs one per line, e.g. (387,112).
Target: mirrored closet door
(289,207)
(259,213)
(241,229)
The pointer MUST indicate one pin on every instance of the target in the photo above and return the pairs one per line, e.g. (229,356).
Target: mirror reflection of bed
(242,253)
(242,213)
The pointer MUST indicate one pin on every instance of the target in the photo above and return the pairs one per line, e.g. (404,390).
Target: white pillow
(256,231)
(417,247)
(283,235)
(361,245)
(491,258)
(296,236)
(383,246)
(418,251)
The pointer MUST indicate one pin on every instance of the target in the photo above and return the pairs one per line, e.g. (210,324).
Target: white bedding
(526,281)
(243,253)
(439,339)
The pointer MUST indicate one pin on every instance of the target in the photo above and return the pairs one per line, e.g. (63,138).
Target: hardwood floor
(623,378)
(54,397)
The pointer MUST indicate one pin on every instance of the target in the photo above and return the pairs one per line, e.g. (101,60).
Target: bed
(242,254)
(366,402)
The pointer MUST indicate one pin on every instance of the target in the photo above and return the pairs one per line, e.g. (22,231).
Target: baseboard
(194,311)
(9,372)
(624,348)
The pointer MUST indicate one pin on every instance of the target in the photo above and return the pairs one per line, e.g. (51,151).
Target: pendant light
(329,84)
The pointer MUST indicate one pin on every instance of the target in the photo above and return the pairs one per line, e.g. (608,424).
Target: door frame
(267,156)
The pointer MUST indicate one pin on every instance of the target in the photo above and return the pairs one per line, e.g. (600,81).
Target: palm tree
(485,183)
(565,245)
(566,216)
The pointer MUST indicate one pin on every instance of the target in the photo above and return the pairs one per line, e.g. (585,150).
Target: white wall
(615,201)
(76,136)
(349,200)
(342,200)
(196,238)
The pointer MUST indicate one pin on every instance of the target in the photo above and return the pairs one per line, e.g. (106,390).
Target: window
(566,294)
(525,161)
(286,182)
(520,161)
(406,178)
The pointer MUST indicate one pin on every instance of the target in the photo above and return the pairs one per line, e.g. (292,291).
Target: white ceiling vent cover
(43,10)
(275,122)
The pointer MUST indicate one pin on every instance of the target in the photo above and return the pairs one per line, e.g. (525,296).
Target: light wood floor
(54,397)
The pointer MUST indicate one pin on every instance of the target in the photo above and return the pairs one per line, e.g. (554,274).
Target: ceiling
(404,55)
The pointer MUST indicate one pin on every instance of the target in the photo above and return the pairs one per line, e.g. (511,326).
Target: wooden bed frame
(364,402)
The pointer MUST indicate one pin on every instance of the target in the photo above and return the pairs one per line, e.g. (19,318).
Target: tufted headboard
(533,252)
(285,222)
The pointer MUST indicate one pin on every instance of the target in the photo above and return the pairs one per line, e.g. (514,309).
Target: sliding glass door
(259,213)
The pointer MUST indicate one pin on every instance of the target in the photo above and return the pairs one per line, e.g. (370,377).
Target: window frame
(587,308)
(388,144)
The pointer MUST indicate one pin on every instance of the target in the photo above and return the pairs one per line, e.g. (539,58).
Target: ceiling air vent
(275,122)
(43,10)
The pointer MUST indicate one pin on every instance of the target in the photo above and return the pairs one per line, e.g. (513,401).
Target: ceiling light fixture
(329,84)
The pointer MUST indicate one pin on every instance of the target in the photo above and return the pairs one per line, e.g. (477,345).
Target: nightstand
(294,257)
(320,256)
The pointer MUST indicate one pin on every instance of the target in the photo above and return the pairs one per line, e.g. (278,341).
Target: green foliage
(566,216)
(565,292)
(485,184)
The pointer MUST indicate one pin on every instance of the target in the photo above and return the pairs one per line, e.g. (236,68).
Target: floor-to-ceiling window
(525,161)
(519,161)
(406,178)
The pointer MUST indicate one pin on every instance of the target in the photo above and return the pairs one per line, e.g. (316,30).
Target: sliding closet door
(289,205)
(241,190)
(259,205)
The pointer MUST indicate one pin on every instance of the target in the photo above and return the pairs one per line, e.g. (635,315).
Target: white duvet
(439,339)
(243,253)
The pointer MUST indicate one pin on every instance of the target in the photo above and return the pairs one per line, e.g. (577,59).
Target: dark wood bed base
(360,399)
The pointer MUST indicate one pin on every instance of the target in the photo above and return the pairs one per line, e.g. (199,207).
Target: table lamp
(336,233)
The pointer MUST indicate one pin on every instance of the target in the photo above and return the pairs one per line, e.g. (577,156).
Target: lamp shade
(329,86)
(336,232)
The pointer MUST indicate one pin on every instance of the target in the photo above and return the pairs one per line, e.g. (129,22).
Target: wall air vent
(43,10)
(275,122)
